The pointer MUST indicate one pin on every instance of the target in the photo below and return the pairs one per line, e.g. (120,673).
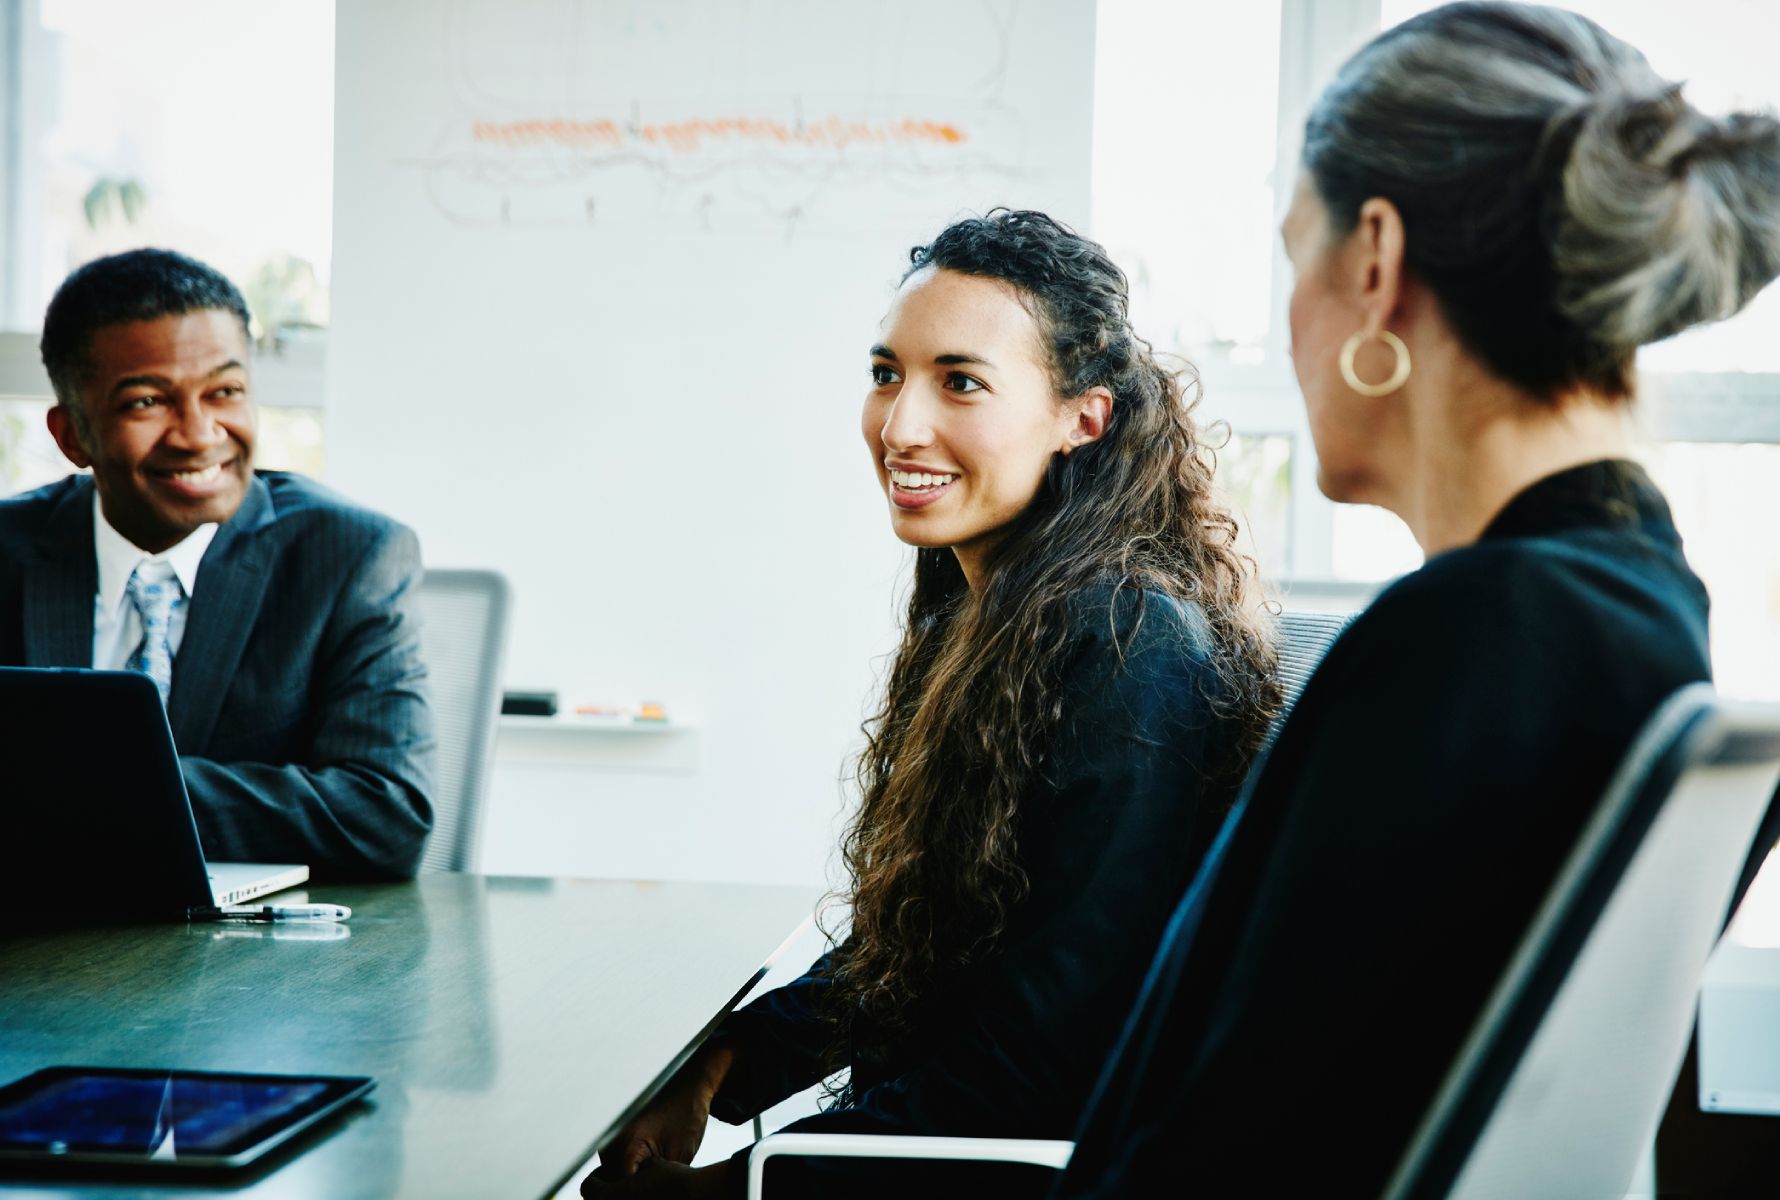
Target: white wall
(629,375)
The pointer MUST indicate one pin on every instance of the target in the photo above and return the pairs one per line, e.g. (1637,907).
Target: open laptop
(95,823)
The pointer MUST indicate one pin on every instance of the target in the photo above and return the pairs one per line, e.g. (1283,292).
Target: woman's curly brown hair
(974,692)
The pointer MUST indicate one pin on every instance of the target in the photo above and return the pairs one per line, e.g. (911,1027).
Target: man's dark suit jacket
(298,700)
(1324,969)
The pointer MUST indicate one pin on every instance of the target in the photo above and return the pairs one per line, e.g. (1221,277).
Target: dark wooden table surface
(510,1022)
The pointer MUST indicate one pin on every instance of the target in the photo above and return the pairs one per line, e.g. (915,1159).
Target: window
(1721,494)
(1197,115)
(211,134)
(1185,109)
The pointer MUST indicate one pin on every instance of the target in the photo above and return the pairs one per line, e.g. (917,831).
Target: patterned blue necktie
(154,590)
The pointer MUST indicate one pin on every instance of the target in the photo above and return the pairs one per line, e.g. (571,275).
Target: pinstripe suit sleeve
(356,804)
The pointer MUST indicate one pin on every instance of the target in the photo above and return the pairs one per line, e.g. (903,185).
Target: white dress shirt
(117,629)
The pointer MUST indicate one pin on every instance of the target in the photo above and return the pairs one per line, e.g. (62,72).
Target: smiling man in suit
(277,620)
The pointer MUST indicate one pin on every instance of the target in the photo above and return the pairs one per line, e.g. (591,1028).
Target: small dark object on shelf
(528,704)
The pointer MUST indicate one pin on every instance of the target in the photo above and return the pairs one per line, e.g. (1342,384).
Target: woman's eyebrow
(882,351)
(961,360)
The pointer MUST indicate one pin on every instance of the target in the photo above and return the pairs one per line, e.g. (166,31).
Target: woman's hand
(660,1180)
(673,1124)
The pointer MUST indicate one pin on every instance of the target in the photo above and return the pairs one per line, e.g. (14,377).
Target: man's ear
(1376,268)
(1092,411)
(63,428)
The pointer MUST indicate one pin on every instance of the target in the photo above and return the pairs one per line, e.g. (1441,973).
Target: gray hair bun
(1564,201)
(1669,217)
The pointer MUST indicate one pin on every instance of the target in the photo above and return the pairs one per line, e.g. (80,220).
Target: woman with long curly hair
(1081,685)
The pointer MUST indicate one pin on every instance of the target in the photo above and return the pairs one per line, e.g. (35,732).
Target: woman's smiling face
(962,418)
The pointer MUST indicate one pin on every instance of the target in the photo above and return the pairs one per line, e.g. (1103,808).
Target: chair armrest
(876,1145)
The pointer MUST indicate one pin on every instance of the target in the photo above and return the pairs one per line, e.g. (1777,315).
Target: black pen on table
(269,912)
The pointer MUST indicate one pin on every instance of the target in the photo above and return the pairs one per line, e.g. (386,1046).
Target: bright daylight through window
(117,150)
(1187,124)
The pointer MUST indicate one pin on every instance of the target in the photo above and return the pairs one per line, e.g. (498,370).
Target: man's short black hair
(137,285)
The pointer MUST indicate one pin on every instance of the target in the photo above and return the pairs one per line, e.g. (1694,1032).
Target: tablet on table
(162,1118)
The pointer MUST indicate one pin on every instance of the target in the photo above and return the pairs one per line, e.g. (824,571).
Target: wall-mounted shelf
(603,743)
(568,724)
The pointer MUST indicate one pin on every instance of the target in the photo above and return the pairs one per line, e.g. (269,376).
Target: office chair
(1303,639)
(1559,1086)
(1557,1091)
(463,636)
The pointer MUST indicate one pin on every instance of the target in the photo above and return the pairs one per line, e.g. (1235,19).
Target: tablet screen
(88,1114)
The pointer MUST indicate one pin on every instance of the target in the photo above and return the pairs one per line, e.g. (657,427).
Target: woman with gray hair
(1498,205)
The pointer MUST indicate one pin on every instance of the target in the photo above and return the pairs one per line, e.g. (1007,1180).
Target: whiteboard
(605,275)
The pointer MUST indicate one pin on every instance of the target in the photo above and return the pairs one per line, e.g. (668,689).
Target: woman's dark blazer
(1011,1046)
(1322,972)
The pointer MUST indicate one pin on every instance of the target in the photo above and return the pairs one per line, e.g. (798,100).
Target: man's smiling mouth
(196,475)
(195,479)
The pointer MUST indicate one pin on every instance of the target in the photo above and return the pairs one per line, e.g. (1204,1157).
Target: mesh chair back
(1558,1089)
(463,635)
(1303,639)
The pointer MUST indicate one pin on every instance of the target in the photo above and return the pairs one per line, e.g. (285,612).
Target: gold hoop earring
(1399,376)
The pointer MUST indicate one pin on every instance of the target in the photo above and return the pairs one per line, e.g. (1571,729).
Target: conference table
(512,1023)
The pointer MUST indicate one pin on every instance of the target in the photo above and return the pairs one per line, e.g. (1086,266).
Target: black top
(1317,980)
(1012,1045)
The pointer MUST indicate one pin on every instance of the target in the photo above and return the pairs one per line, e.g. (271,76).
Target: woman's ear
(1376,266)
(1089,414)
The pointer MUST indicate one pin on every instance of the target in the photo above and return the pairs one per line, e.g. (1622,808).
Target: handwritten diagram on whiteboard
(720,116)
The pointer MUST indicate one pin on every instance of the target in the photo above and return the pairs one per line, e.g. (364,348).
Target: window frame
(1316,36)
(292,375)
(24,87)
